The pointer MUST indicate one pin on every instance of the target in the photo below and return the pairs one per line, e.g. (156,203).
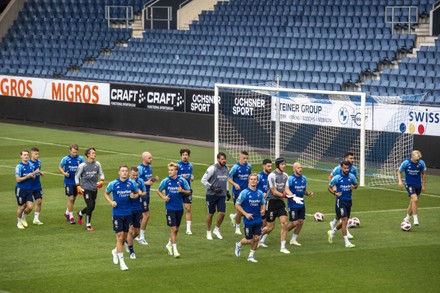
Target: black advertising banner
(125,95)
(200,101)
(162,98)
(152,98)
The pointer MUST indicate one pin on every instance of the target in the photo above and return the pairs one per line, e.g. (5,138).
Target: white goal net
(315,128)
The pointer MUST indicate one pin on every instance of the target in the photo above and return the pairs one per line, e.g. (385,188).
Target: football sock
(263,238)
(294,236)
(121,256)
(188,225)
(70,215)
(36,216)
(251,253)
(239,244)
(346,240)
(283,244)
(416,219)
(237,226)
(18,220)
(174,247)
(130,247)
(142,234)
(334,222)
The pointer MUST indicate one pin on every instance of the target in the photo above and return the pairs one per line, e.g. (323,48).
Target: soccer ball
(353,222)
(319,217)
(405,226)
(356,221)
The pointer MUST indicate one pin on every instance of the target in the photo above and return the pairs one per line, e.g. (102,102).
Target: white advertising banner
(346,114)
(55,90)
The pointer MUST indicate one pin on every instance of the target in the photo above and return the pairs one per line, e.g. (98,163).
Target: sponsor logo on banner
(245,106)
(165,99)
(75,92)
(200,101)
(423,121)
(309,110)
(125,95)
(55,90)
(153,98)
(16,87)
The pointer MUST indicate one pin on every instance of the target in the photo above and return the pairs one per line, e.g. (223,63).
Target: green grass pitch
(59,257)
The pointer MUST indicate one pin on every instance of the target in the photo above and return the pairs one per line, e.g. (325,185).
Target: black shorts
(187,199)
(275,208)
(37,194)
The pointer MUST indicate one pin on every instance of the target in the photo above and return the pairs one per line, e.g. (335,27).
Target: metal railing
(122,14)
(155,14)
(434,22)
(392,16)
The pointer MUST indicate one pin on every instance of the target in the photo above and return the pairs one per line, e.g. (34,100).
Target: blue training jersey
(240,174)
(121,195)
(136,203)
(251,202)
(185,169)
(297,185)
(146,173)
(170,186)
(22,170)
(352,170)
(36,183)
(262,182)
(70,164)
(413,172)
(343,183)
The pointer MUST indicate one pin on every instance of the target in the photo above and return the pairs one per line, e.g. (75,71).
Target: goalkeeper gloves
(228,195)
(298,200)
(79,190)
(100,184)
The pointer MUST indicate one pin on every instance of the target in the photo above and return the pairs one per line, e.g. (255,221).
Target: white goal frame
(362,96)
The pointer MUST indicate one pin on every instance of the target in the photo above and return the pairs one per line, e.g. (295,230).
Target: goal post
(313,127)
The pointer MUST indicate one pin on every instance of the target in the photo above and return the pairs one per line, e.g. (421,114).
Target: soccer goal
(313,127)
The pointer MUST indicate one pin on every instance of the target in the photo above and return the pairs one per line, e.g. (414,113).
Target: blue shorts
(145,204)
(216,202)
(136,218)
(121,223)
(23,196)
(343,208)
(253,229)
(37,194)
(70,190)
(187,199)
(297,214)
(413,190)
(174,218)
